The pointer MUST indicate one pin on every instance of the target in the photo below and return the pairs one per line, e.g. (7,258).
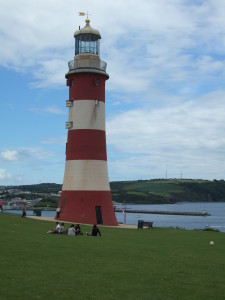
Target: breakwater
(157,212)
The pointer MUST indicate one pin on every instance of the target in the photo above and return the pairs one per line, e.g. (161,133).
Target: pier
(157,212)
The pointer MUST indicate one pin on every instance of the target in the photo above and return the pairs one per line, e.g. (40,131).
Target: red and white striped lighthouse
(86,196)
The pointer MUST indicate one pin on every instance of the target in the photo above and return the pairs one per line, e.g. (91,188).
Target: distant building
(17,203)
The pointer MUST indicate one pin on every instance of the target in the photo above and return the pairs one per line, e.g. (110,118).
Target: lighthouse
(86,196)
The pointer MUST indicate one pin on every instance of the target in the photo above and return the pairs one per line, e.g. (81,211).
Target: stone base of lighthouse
(87,207)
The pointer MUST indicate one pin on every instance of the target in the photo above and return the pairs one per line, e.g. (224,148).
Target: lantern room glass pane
(87,43)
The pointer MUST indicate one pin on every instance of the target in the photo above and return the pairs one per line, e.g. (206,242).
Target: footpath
(52,219)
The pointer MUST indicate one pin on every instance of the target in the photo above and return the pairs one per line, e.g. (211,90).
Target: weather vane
(82,14)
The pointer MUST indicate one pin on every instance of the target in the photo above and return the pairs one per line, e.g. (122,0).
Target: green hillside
(144,191)
(36,188)
(167,191)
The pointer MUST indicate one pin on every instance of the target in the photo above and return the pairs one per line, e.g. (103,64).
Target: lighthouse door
(98,211)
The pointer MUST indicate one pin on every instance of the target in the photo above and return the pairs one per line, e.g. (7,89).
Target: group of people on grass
(73,230)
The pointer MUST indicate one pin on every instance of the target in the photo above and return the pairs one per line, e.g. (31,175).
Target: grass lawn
(121,264)
(155,187)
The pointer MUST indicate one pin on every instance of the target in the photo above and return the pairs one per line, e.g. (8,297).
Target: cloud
(190,124)
(18,178)
(55,141)
(4,175)
(188,136)
(166,62)
(176,46)
(55,110)
(50,109)
(10,155)
(50,72)
(22,155)
(164,43)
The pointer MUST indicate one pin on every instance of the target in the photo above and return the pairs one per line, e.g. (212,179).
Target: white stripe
(86,175)
(85,114)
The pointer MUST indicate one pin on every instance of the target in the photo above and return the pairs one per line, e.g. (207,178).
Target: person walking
(1,205)
(58,211)
(24,210)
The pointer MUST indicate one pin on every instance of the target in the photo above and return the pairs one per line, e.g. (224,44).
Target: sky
(165,98)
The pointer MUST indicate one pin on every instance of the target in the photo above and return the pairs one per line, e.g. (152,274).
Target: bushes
(48,202)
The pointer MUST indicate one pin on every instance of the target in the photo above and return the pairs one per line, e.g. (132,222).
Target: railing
(87,64)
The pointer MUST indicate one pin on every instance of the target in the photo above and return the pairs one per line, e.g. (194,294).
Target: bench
(142,224)
(37,212)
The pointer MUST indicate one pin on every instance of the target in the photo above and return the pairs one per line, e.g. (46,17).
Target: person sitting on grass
(78,230)
(62,229)
(56,229)
(71,230)
(95,231)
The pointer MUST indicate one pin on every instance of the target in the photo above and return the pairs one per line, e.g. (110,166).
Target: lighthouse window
(87,43)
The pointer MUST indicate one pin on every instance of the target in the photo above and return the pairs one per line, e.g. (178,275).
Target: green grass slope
(154,191)
(122,264)
(167,191)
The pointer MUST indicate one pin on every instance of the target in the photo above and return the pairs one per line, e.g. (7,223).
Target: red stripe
(79,207)
(83,86)
(86,144)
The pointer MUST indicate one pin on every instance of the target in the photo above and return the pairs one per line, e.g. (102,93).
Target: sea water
(216,220)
